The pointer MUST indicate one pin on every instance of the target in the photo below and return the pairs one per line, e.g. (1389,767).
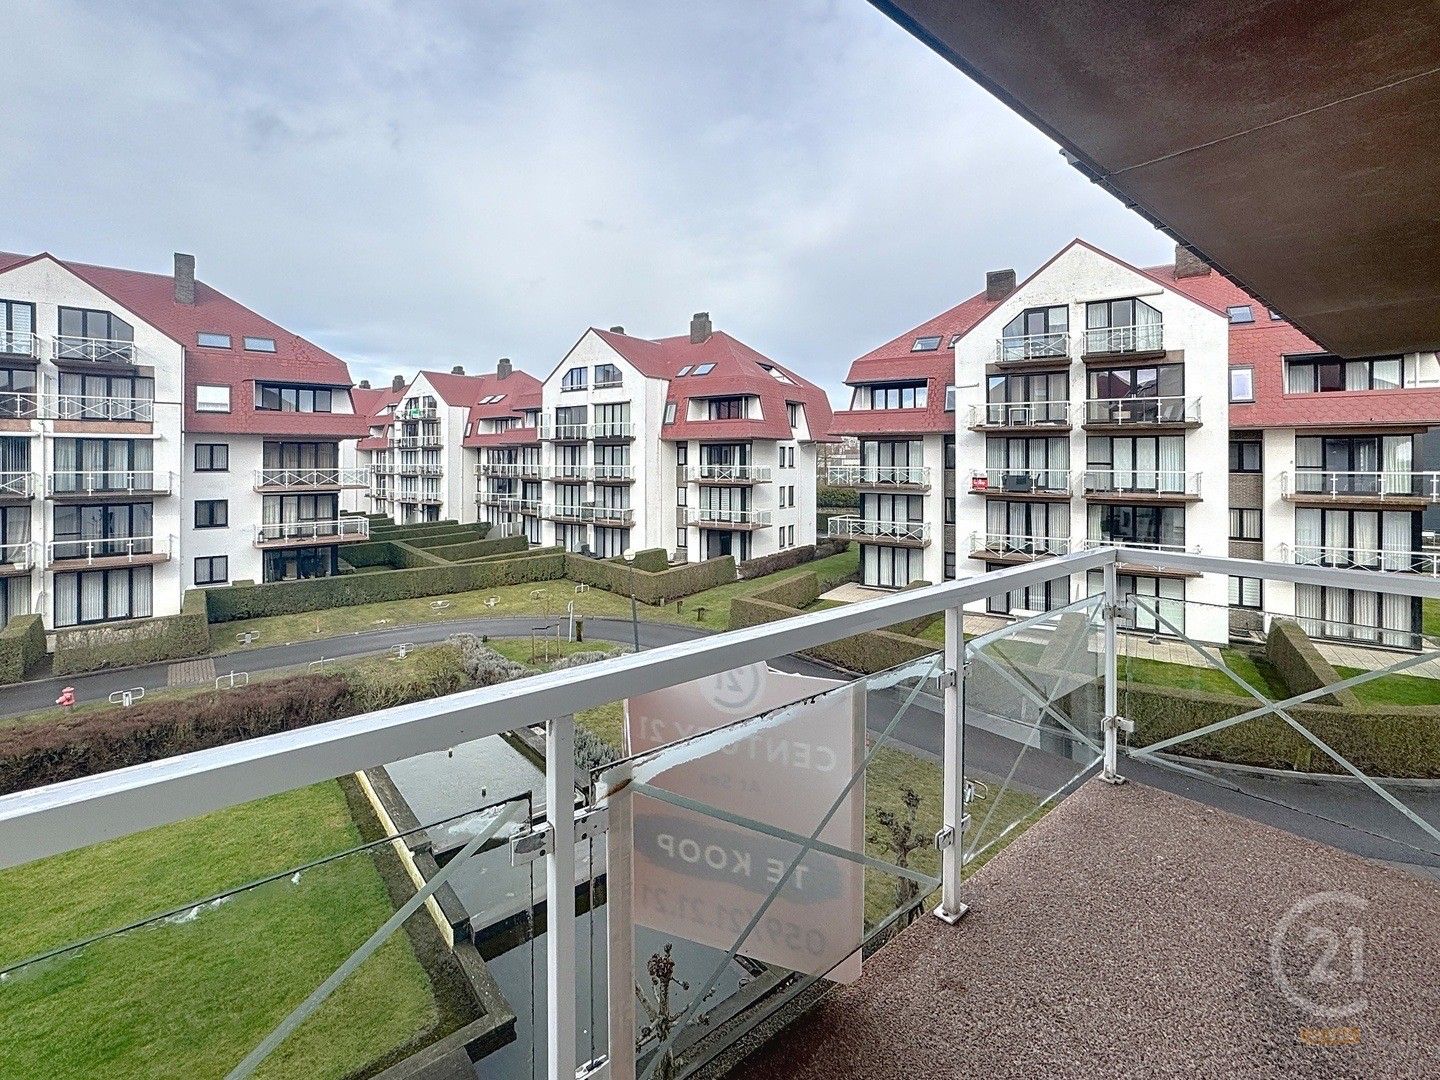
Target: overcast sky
(420,184)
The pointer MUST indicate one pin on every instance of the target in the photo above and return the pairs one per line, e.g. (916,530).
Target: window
(260,344)
(1245,592)
(212,399)
(950,452)
(213,341)
(703,369)
(898,396)
(274,398)
(1275,316)
(949,399)
(1329,374)
(212,457)
(792,410)
(926,344)
(17,325)
(669,412)
(1036,334)
(94,335)
(1245,455)
(212,570)
(681,536)
(1122,326)
(682,453)
(575,379)
(949,566)
(1240,313)
(950,510)
(212,513)
(792,535)
(726,408)
(1242,384)
(954,338)
(101,595)
(607,375)
(1245,524)
(683,372)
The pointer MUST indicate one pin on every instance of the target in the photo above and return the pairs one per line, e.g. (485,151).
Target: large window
(103,531)
(1136,395)
(1154,598)
(1355,465)
(1037,333)
(105,396)
(276,398)
(890,567)
(1027,528)
(575,379)
(17,328)
(1246,455)
(1033,398)
(86,334)
(1246,524)
(1122,326)
(1356,539)
(297,563)
(892,396)
(606,375)
(1046,596)
(90,465)
(1144,526)
(1141,463)
(301,455)
(1023,465)
(1358,615)
(732,408)
(17,393)
(1329,374)
(94,596)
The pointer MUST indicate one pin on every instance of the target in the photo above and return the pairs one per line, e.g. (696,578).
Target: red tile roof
(739,370)
(521,392)
(295,360)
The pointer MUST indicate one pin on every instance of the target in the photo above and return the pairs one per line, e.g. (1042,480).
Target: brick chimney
(503,368)
(999,284)
(1188,264)
(617,329)
(364,384)
(184,278)
(458,369)
(700,328)
(397,383)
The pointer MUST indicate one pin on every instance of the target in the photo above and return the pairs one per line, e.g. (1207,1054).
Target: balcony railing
(612,473)
(311,478)
(108,549)
(108,482)
(415,442)
(1113,340)
(589,512)
(734,474)
(510,504)
(608,384)
(554,432)
(19,343)
(1174,482)
(15,558)
(1020,414)
(415,468)
(418,412)
(1014,544)
(1141,411)
(18,405)
(327,532)
(17,485)
(1008,481)
(509,468)
(720,517)
(1352,558)
(1139,545)
(878,476)
(857,528)
(612,429)
(1032,347)
(93,350)
(1382,484)
(88,407)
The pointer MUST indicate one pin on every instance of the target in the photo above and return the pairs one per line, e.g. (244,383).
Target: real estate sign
(702,876)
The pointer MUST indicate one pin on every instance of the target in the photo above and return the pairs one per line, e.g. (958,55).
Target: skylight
(213,341)
(703,369)
(926,344)
(1240,313)
(683,371)
(259,344)
(779,376)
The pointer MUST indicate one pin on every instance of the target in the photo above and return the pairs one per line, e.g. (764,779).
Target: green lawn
(1395,689)
(1430,617)
(1257,672)
(716,601)
(188,998)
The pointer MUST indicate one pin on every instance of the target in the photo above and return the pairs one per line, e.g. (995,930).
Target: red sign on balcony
(979,483)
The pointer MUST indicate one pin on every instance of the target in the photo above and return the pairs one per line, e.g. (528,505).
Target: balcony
(19,405)
(1125,340)
(1021,348)
(1352,558)
(1007,483)
(1016,548)
(16,559)
(1098,900)
(1142,485)
(417,413)
(612,431)
(414,468)
(591,514)
(608,384)
(105,484)
(729,475)
(106,552)
(82,407)
(520,469)
(914,534)
(1396,488)
(19,345)
(1128,414)
(553,432)
(880,477)
(69,350)
(415,442)
(280,534)
(713,517)
(510,504)
(17,485)
(999,416)
(384,468)
(613,474)
(329,479)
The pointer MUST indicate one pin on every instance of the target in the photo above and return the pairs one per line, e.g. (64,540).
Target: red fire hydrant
(66,698)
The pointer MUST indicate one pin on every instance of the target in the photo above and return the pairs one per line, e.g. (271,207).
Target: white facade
(423,474)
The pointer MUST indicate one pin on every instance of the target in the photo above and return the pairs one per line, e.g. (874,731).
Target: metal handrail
(418,413)
(1021,481)
(1033,347)
(17,485)
(91,407)
(106,481)
(346,528)
(1020,414)
(550,431)
(738,473)
(415,468)
(612,429)
(19,343)
(871,527)
(100,350)
(1142,481)
(878,475)
(1110,340)
(1139,545)
(613,472)
(1352,558)
(509,468)
(19,405)
(112,547)
(1035,547)
(1381,483)
(590,512)
(17,556)
(312,478)
(1176,409)
(415,442)
(712,515)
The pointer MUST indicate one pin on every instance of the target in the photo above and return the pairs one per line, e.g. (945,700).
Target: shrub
(652,560)
(792,592)
(796,556)
(651,588)
(289,597)
(479,549)
(831,495)
(592,752)
(138,641)
(405,532)
(482,665)
(864,653)
(22,646)
(459,534)
(580,659)
(1301,666)
(427,673)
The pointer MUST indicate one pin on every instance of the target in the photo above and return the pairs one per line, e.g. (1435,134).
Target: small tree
(663,1010)
(900,837)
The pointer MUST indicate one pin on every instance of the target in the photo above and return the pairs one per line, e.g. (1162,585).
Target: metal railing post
(560,973)
(616,796)
(1112,721)
(950,839)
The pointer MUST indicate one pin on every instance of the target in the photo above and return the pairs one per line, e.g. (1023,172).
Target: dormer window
(1328,374)
(683,372)
(272,398)
(575,379)
(607,375)
(669,412)
(213,341)
(898,396)
(731,408)
(926,344)
(259,344)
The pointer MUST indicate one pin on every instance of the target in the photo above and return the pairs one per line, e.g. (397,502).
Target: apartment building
(502,435)
(696,444)
(156,435)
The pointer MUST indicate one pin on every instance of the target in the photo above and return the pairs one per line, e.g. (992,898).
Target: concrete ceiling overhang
(1294,146)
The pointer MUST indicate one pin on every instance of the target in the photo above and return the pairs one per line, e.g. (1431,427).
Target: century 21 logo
(1327,976)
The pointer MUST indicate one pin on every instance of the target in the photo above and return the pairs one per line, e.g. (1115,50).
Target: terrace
(1198,880)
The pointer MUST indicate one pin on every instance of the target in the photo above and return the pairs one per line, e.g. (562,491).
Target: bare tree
(663,1009)
(900,837)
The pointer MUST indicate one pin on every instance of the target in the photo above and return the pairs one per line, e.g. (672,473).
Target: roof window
(703,369)
(683,371)
(1240,313)
(926,344)
(213,341)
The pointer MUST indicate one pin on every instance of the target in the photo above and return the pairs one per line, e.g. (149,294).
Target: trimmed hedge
(686,579)
(460,534)
(22,646)
(479,549)
(290,597)
(137,641)
(652,560)
(833,495)
(405,532)
(1382,741)
(796,592)
(796,556)
(1302,667)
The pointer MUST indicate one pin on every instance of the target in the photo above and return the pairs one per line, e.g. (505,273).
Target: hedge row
(479,549)
(653,560)
(862,653)
(1382,741)
(1302,667)
(290,597)
(796,556)
(459,534)
(795,592)
(22,646)
(405,532)
(686,579)
(137,641)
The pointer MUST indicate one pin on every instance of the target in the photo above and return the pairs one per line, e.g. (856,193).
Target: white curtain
(1395,539)
(1337,536)
(1172,462)
(1357,375)
(1309,607)
(1398,453)
(1307,530)
(1364,616)
(1365,538)
(1397,612)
